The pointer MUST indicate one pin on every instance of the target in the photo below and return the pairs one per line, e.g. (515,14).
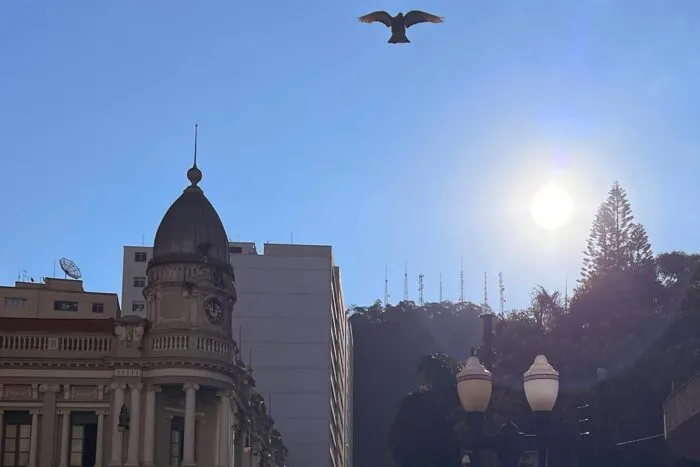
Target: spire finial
(195,145)
(194,175)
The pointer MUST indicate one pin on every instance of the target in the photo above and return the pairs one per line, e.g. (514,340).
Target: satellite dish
(70,268)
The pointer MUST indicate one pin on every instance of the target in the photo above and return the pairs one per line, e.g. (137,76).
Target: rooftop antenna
(461,280)
(420,288)
(566,292)
(501,293)
(70,269)
(405,282)
(386,285)
(440,288)
(486,290)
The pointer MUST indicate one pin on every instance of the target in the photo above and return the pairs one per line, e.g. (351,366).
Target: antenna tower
(486,291)
(566,293)
(405,282)
(440,287)
(502,293)
(386,285)
(461,280)
(420,289)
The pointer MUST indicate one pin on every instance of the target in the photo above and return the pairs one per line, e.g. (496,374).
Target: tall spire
(195,145)
(194,175)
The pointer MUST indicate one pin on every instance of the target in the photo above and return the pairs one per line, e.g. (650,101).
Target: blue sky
(311,123)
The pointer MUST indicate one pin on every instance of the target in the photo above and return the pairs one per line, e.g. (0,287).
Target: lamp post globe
(541,382)
(474,385)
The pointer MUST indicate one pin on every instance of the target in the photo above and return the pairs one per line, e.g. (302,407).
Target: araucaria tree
(616,242)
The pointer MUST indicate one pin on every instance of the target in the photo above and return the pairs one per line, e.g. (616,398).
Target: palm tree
(545,307)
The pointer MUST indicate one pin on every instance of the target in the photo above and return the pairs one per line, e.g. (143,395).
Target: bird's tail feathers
(398,39)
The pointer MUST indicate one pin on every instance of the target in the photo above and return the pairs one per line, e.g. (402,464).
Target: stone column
(99,444)
(47,428)
(224,441)
(34,440)
(65,437)
(2,424)
(149,426)
(117,436)
(134,425)
(190,406)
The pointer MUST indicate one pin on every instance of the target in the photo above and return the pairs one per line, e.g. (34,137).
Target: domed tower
(190,280)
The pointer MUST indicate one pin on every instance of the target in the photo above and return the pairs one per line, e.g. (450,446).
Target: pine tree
(616,242)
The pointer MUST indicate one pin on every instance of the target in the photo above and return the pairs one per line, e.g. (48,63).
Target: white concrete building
(290,322)
(83,386)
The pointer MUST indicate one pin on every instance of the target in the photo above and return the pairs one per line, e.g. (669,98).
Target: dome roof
(191,229)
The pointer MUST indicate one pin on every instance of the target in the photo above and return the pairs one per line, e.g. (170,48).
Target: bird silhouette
(400,22)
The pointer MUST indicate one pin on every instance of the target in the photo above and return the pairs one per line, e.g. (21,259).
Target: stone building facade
(682,420)
(82,386)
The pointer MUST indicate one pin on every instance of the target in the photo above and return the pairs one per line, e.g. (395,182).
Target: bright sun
(551,207)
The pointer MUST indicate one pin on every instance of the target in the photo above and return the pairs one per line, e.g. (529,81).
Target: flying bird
(400,22)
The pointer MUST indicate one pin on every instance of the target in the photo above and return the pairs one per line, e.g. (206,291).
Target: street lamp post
(475,385)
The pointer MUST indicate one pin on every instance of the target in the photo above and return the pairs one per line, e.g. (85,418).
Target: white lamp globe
(474,384)
(541,385)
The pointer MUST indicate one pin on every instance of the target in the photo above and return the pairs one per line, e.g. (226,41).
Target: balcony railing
(18,343)
(167,343)
(682,405)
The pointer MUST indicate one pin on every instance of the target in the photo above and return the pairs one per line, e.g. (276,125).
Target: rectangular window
(15,302)
(17,431)
(177,431)
(139,282)
(76,445)
(98,307)
(83,439)
(63,305)
(140,256)
(139,307)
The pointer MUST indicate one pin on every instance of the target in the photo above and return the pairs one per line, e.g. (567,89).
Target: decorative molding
(35,391)
(154,388)
(49,388)
(35,411)
(116,386)
(18,392)
(127,372)
(84,393)
(187,386)
(130,331)
(66,394)
(135,386)
(100,391)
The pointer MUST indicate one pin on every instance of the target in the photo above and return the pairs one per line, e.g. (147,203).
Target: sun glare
(551,207)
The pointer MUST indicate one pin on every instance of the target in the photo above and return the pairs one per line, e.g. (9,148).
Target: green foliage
(616,242)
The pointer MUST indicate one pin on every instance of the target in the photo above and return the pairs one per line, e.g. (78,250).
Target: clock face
(215,312)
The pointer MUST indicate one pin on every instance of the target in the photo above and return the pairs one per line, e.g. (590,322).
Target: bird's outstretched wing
(380,16)
(417,16)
